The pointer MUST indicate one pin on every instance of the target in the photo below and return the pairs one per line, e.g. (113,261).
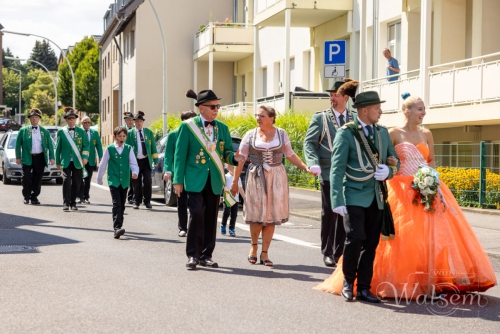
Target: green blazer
(94,144)
(64,151)
(345,191)
(188,165)
(24,144)
(168,157)
(149,139)
(316,146)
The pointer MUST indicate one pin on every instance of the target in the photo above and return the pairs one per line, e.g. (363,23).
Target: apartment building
(132,57)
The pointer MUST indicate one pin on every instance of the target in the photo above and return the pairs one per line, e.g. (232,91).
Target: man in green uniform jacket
(34,149)
(357,191)
(72,153)
(199,140)
(128,117)
(168,168)
(318,146)
(142,141)
(94,144)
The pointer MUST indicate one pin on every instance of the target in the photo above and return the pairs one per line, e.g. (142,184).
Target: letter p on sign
(335,52)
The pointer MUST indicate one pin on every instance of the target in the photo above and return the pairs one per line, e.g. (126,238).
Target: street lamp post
(64,56)
(15,69)
(50,74)
(164,70)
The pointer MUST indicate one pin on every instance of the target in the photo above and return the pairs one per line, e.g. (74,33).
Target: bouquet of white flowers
(426,182)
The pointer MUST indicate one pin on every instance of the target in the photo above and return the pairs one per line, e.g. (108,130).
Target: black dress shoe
(74,208)
(26,201)
(148,206)
(347,291)
(119,232)
(136,206)
(65,208)
(329,262)
(208,263)
(78,201)
(367,296)
(35,201)
(192,263)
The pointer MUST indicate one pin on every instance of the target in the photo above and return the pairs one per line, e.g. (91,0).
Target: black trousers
(118,196)
(182,211)
(332,225)
(203,210)
(363,227)
(72,178)
(130,196)
(142,185)
(32,176)
(85,184)
(230,211)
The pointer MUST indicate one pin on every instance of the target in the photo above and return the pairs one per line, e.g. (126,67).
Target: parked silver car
(9,170)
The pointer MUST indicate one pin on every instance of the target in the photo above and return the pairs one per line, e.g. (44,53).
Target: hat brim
(31,115)
(203,101)
(366,104)
(66,116)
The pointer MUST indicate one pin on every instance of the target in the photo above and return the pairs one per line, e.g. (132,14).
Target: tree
(43,101)
(11,63)
(10,88)
(42,83)
(87,83)
(43,53)
(75,57)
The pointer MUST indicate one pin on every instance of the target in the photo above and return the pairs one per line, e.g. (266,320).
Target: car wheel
(59,180)
(5,179)
(169,194)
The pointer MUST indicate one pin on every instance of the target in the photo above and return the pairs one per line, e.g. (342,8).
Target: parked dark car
(9,124)
(167,188)
(10,170)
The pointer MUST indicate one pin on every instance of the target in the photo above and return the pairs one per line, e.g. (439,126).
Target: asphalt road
(68,275)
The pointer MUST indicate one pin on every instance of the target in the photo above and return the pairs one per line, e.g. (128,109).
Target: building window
(264,81)
(306,81)
(394,40)
(292,74)
(109,60)
(132,43)
(277,77)
(125,47)
(132,105)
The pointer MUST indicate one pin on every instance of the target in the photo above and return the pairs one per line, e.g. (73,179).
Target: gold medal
(202,153)
(197,161)
(203,161)
(221,146)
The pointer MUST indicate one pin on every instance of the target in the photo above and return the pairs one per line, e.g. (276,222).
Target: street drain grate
(15,248)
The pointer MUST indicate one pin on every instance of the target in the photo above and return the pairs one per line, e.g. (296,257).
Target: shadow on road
(262,274)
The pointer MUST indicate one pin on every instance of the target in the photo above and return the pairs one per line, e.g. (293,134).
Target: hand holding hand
(341,210)
(382,172)
(239,157)
(134,176)
(234,189)
(166,176)
(315,170)
(178,188)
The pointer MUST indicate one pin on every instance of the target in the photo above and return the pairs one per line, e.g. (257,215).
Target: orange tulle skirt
(431,253)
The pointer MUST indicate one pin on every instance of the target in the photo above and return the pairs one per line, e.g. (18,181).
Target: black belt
(36,154)
(142,158)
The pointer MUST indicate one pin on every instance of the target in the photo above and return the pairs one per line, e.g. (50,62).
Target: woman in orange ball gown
(433,251)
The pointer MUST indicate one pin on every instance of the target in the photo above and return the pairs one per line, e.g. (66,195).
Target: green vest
(119,167)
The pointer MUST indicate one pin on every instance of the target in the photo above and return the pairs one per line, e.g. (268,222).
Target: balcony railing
(223,33)
(467,81)
(262,5)
(237,109)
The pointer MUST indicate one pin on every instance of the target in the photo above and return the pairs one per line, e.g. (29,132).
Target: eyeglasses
(85,122)
(211,106)
(70,118)
(260,116)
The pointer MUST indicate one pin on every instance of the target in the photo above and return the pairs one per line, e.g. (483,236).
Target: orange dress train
(432,251)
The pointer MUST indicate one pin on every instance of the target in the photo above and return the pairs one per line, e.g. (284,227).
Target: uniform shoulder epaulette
(346,125)
(381,125)
(321,111)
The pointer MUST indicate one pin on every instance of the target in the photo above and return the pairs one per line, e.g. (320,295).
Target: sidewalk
(306,203)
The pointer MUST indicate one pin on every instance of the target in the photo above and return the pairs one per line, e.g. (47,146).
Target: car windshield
(12,141)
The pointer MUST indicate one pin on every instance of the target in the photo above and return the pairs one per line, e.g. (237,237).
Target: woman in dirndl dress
(266,194)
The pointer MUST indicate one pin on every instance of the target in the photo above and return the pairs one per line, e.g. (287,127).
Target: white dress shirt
(140,154)
(207,129)
(105,158)
(365,130)
(337,114)
(36,141)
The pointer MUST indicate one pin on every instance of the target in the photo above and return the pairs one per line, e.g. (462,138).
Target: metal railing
(262,5)
(237,109)
(470,170)
(223,33)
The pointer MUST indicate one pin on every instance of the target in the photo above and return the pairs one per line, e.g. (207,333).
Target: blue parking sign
(334,52)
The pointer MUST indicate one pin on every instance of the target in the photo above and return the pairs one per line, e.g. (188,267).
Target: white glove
(316,170)
(341,210)
(382,173)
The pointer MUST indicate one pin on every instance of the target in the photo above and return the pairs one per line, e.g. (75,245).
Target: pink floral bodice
(411,156)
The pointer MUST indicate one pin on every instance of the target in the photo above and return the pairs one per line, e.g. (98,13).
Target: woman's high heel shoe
(252,259)
(267,263)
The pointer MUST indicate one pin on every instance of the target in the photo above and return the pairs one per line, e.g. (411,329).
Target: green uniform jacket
(64,151)
(316,149)
(149,139)
(168,158)
(95,143)
(345,191)
(188,166)
(24,144)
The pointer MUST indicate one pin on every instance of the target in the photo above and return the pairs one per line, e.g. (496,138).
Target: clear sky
(66,22)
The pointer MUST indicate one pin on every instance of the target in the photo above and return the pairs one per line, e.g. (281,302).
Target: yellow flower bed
(464,183)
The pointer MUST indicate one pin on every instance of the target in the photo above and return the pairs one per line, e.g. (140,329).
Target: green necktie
(341,119)
(370,133)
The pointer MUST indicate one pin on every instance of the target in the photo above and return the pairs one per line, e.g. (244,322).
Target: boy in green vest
(118,159)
